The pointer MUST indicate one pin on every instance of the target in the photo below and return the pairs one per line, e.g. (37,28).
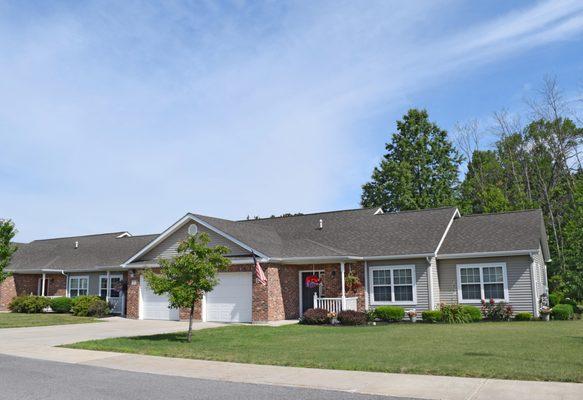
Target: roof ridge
(79,236)
(308,214)
(503,212)
(420,210)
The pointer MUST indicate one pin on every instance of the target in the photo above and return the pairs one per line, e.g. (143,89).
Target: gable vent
(192,229)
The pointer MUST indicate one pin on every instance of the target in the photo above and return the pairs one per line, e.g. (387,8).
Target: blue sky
(126,115)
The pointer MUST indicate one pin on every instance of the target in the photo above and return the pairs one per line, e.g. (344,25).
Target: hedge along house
(73,266)
(414,259)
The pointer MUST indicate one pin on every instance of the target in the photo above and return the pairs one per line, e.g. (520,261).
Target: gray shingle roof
(94,251)
(358,232)
(511,231)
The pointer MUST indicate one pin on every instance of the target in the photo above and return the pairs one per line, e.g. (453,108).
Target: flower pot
(546,317)
(413,319)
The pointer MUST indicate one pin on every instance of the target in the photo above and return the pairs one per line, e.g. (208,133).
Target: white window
(114,291)
(78,286)
(482,281)
(393,285)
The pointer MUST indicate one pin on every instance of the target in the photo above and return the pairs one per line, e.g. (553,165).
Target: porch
(332,287)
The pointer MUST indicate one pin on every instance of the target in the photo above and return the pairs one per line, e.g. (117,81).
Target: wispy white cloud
(126,115)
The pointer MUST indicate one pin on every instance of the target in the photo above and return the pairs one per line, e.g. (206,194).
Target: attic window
(192,229)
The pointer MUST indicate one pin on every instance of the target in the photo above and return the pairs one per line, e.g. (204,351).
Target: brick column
(133,297)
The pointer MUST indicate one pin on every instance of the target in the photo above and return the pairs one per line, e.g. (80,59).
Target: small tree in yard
(185,277)
(7,248)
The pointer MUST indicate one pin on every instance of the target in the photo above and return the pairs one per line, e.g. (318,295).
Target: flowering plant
(313,281)
(545,310)
(412,313)
(496,312)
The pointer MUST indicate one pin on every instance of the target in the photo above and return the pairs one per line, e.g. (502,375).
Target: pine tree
(419,170)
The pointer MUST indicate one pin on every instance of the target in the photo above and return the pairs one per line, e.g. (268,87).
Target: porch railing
(334,304)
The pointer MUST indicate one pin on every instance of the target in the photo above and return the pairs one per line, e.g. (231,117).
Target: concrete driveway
(39,342)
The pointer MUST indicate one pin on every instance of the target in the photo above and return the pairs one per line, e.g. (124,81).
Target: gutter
(487,254)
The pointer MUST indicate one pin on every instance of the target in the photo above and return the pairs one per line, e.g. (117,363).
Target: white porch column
(342,285)
(42,291)
(108,287)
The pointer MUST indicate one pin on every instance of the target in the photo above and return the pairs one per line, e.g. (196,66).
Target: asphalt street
(29,379)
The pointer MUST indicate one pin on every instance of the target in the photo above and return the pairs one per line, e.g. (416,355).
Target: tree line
(535,164)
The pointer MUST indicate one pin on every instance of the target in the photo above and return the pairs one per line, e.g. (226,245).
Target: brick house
(349,259)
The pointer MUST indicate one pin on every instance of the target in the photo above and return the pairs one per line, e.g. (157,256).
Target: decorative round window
(192,229)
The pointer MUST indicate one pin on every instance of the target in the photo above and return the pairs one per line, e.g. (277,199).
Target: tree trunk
(190,318)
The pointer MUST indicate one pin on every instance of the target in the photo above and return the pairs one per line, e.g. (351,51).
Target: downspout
(366,305)
(430,284)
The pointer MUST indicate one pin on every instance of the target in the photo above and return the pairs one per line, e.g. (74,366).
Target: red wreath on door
(313,281)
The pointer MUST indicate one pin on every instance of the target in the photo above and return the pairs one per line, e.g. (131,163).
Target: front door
(307,293)
(115,296)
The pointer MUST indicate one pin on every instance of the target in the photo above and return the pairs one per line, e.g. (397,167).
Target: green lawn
(10,320)
(515,350)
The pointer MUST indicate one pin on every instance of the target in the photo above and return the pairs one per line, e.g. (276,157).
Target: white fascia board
(486,254)
(177,225)
(314,260)
(398,257)
(455,215)
(379,211)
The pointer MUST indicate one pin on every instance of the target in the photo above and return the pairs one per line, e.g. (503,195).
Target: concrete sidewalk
(38,343)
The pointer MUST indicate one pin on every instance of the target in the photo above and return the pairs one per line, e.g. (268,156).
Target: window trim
(373,302)
(77,277)
(111,276)
(481,266)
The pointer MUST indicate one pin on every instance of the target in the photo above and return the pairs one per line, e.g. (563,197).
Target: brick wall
(24,284)
(7,292)
(280,298)
(133,296)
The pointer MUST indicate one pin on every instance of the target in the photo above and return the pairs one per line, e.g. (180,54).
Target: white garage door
(153,306)
(230,301)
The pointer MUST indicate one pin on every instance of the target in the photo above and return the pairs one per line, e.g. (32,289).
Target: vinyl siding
(421,281)
(93,280)
(167,248)
(519,280)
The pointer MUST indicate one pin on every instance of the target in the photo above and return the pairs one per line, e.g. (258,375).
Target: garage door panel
(231,299)
(154,306)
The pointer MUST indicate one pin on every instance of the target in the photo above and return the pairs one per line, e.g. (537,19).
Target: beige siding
(519,280)
(167,248)
(421,281)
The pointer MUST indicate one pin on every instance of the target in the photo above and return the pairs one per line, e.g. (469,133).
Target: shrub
(390,313)
(562,311)
(29,304)
(90,306)
(370,315)
(431,316)
(496,311)
(350,317)
(454,314)
(555,298)
(315,316)
(61,304)
(523,316)
(579,309)
(474,313)
(572,302)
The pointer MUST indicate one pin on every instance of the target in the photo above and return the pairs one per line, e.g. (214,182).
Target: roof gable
(487,233)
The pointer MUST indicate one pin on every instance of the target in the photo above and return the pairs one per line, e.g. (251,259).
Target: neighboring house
(414,259)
